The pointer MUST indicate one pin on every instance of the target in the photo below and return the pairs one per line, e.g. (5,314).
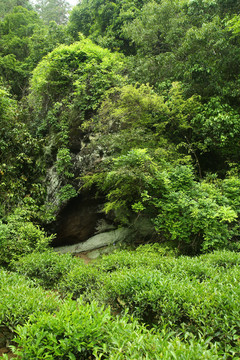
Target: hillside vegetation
(140,304)
(136,104)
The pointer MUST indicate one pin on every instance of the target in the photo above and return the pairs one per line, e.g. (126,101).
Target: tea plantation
(131,304)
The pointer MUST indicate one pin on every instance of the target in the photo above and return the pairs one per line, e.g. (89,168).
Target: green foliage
(190,296)
(16,29)
(46,268)
(67,88)
(130,118)
(72,333)
(24,41)
(75,71)
(187,41)
(8,108)
(130,109)
(157,30)
(145,257)
(230,187)
(7,6)
(216,132)
(20,298)
(234,25)
(66,193)
(19,236)
(151,258)
(45,39)
(64,171)
(192,301)
(80,331)
(20,167)
(19,22)
(134,346)
(81,279)
(172,197)
(221,259)
(53,10)
(104,22)
(63,163)
(138,143)
(207,68)
(125,183)
(212,219)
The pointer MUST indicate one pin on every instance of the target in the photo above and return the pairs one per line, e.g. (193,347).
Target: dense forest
(133,105)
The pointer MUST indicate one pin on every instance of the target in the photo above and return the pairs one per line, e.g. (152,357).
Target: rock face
(81,225)
(97,241)
(105,237)
(78,218)
(53,185)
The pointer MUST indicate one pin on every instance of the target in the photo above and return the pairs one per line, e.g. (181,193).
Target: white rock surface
(96,242)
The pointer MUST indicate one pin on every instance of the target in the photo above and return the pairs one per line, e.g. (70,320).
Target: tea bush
(72,333)
(133,259)
(149,259)
(221,259)
(187,302)
(191,306)
(201,267)
(19,298)
(19,236)
(86,331)
(82,278)
(46,268)
(127,288)
(131,343)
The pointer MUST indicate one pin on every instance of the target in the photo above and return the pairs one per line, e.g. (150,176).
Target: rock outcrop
(98,241)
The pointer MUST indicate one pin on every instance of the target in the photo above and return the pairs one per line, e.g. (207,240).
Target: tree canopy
(52,10)
(120,120)
(125,95)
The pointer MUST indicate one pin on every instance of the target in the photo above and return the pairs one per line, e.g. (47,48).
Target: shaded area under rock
(77,221)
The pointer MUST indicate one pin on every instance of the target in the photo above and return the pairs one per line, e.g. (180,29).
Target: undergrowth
(139,304)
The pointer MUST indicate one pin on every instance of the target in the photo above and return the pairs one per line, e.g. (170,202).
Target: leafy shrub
(131,342)
(125,288)
(72,333)
(81,331)
(164,249)
(218,259)
(187,302)
(46,268)
(80,69)
(82,278)
(151,258)
(18,237)
(19,298)
(19,151)
(192,301)
(216,128)
(126,259)
(171,196)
